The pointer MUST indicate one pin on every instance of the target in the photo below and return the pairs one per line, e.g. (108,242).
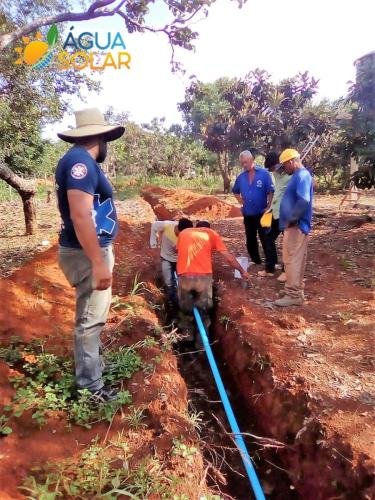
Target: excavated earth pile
(172,204)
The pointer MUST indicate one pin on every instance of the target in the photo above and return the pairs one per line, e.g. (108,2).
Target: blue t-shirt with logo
(78,170)
(296,204)
(254,194)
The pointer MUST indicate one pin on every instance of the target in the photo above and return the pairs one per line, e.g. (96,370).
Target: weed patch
(101,471)
(45,385)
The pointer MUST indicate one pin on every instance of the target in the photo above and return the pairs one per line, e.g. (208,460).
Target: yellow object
(288,154)
(34,51)
(266,219)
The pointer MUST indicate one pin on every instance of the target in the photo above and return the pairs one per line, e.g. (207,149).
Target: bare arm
(269,202)
(232,261)
(80,205)
(238,198)
(157,228)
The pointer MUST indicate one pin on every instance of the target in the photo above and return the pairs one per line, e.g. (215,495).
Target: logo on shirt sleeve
(79,171)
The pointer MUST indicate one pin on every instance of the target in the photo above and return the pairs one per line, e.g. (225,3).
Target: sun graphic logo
(38,53)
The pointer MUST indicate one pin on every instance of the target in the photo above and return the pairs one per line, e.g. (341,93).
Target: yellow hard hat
(288,154)
(266,219)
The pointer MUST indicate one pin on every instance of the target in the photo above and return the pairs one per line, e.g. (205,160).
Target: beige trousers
(294,257)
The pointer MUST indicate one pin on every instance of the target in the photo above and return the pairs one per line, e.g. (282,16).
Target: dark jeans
(270,245)
(168,270)
(252,229)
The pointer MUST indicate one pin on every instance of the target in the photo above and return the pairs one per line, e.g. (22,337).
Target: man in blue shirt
(254,189)
(295,221)
(89,226)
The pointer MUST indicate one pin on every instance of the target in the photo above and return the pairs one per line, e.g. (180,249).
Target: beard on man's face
(102,154)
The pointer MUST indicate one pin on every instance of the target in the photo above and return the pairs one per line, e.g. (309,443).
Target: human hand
(101,276)
(244,274)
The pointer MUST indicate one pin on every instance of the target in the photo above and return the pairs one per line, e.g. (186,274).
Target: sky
(283,37)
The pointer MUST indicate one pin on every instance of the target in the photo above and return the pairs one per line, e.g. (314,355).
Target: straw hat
(90,122)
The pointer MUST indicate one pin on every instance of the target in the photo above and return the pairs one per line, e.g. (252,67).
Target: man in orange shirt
(194,266)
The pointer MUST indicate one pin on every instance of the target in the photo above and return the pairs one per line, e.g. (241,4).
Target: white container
(244,263)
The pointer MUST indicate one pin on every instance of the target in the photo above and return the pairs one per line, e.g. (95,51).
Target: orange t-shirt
(194,250)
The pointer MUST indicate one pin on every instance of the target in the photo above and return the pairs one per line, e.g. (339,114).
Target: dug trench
(224,471)
(147,448)
(288,383)
(301,379)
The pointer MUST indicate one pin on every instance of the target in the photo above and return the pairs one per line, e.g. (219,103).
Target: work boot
(287,301)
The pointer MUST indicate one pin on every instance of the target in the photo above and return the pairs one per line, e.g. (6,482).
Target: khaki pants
(294,257)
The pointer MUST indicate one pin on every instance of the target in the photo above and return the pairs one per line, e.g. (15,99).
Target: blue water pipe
(252,475)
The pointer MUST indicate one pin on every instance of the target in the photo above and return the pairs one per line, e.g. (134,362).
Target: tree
(151,149)
(209,117)
(232,115)
(273,116)
(43,100)
(28,100)
(360,126)
(133,12)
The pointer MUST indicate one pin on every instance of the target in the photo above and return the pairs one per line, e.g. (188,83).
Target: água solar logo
(96,51)
(86,50)
(38,53)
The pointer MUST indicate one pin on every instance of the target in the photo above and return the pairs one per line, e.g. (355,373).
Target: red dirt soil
(306,373)
(38,303)
(171,204)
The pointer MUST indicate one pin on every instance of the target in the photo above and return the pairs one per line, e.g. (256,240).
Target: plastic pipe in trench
(254,481)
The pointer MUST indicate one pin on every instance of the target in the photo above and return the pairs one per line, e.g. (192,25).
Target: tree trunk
(224,169)
(26,189)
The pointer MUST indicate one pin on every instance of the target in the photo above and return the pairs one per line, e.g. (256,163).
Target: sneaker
(265,273)
(282,278)
(283,292)
(104,395)
(287,301)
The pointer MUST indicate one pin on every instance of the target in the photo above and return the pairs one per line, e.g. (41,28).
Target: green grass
(128,187)
(7,193)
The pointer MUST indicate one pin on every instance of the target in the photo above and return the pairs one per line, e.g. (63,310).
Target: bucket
(244,263)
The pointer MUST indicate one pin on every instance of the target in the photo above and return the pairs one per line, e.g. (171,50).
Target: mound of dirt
(38,305)
(173,203)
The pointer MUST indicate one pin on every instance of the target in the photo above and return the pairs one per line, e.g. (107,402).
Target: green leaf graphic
(52,35)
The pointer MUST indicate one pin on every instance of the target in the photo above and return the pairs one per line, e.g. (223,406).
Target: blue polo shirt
(296,204)
(254,194)
(78,170)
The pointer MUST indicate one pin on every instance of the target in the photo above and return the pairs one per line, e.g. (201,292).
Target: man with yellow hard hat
(295,221)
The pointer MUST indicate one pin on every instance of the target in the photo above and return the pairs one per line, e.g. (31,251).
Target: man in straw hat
(89,226)
(295,221)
